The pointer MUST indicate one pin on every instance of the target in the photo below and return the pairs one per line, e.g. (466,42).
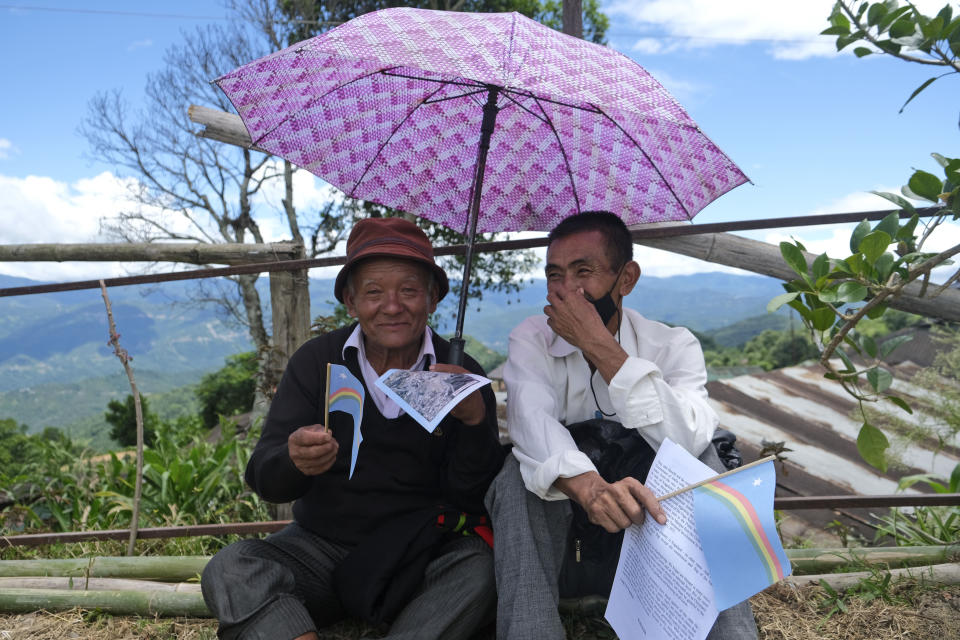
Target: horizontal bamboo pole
(161,568)
(250,528)
(939,574)
(188,252)
(98,584)
(187,531)
(132,603)
(823,560)
(184,568)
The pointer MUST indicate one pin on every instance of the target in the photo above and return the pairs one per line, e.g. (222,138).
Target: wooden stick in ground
(124,358)
(717,477)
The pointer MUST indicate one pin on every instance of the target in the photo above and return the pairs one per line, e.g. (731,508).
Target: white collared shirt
(385,404)
(659,390)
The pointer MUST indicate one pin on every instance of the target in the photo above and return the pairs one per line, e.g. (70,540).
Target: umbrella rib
(527,94)
(464,83)
(311,103)
(649,159)
(566,160)
(527,109)
(387,141)
(459,95)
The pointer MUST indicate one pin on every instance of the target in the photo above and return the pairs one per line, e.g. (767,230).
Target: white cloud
(834,240)
(6,148)
(140,44)
(791,29)
(648,45)
(39,209)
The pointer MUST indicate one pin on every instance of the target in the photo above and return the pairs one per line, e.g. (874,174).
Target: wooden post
(573,18)
(290,304)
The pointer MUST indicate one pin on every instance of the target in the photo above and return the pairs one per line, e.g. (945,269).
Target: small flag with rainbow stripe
(346,393)
(734,516)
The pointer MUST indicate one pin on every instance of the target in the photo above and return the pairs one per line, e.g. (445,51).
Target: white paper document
(428,396)
(662,589)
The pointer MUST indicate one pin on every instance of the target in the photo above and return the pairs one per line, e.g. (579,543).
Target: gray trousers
(530,538)
(282,587)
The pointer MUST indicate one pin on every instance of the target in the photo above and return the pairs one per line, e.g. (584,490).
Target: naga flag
(734,517)
(346,394)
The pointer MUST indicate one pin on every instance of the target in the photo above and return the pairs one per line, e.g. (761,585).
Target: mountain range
(56,367)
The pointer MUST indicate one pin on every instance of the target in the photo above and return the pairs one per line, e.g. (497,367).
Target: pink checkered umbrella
(448,115)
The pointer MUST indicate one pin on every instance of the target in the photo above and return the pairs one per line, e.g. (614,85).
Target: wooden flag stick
(717,477)
(326,401)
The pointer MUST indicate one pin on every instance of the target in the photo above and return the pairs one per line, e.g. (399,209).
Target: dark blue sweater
(400,467)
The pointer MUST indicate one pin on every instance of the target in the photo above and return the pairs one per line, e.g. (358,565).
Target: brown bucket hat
(389,238)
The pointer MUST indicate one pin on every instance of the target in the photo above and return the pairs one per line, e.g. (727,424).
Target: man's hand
(471,409)
(573,317)
(312,449)
(612,506)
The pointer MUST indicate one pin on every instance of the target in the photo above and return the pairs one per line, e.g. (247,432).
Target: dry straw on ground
(783,613)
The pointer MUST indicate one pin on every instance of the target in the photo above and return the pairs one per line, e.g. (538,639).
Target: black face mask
(605,305)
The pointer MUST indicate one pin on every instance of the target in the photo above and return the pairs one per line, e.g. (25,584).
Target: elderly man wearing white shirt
(588,358)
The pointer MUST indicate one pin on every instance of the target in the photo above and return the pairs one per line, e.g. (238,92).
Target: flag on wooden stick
(734,516)
(345,393)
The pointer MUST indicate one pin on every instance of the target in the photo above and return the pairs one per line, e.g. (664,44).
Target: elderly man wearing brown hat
(388,543)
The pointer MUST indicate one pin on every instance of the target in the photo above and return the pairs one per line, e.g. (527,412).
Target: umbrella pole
(486,130)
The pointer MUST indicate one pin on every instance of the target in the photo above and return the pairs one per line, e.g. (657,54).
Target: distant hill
(57,370)
(736,334)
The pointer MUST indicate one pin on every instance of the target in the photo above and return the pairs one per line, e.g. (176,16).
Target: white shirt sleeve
(535,407)
(666,399)
(659,390)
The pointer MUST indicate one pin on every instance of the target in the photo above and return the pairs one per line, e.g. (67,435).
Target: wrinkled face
(391,300)
(580,260)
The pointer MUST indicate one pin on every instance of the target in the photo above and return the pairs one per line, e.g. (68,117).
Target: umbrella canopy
(388,107)
(481,122)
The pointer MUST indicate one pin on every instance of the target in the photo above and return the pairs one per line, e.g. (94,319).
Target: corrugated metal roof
(814,418)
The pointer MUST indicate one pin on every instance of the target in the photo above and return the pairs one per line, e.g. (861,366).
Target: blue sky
(814,130)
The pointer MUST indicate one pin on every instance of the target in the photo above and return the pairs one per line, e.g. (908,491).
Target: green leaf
(884,267)
(946,14)
(821,266)
(916,92)
(858,234)
(872,445)
(888,46)
(837,19)
(873,245)
(802,309)
(851,292)
(862,52)
(836,31)
(877,311)
(875,13)
(822,318)
(901,202)
(794,258)
(900,402)
(829,294)
(890,18)
(955,480)
(879,378)
(889,224)
(869,345)
(845,41)
(856,264)
(781,300)
(887,347)
(926,185)
(906,231)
